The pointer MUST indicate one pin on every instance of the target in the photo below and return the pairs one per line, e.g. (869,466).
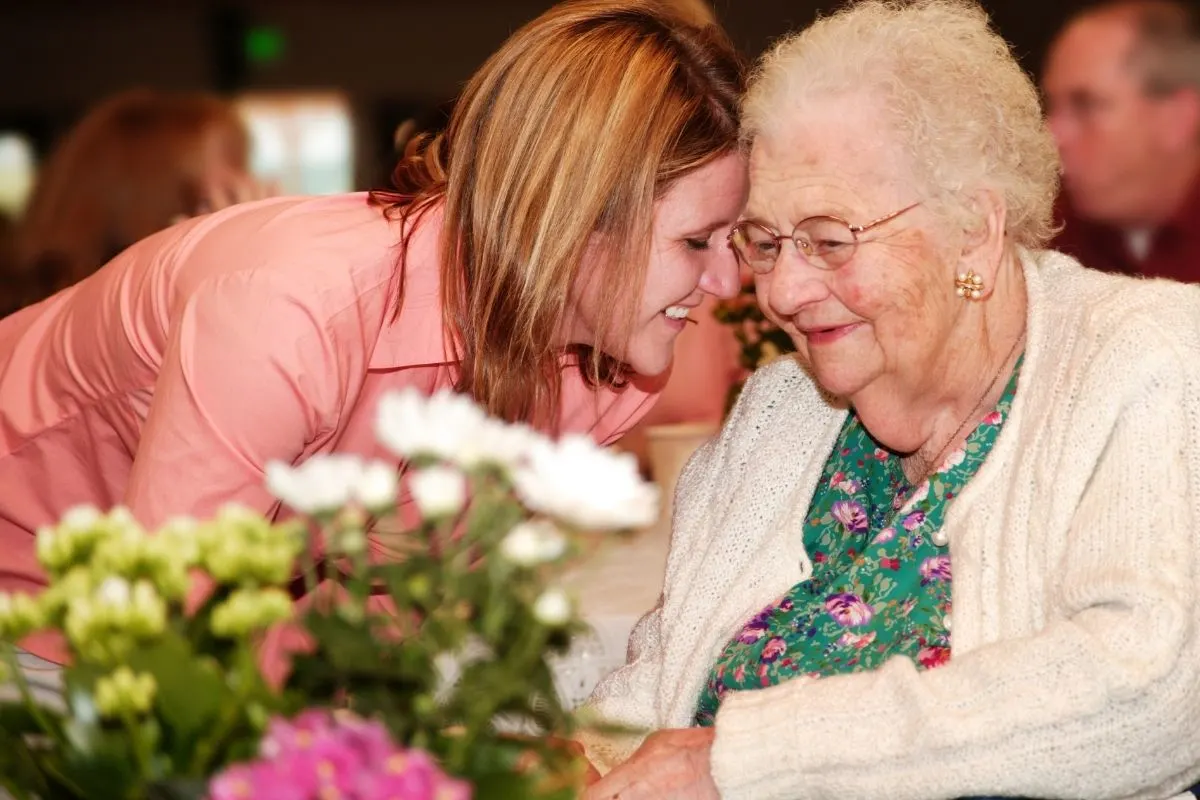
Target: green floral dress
(880,585)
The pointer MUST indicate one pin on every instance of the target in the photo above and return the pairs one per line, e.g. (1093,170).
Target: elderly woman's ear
(984,241)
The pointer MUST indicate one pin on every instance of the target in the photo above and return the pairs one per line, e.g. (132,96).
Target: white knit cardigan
(1075,668)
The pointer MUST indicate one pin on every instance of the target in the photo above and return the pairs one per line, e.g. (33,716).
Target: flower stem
(141,747)
(308,565)
(35,708)
(207,748)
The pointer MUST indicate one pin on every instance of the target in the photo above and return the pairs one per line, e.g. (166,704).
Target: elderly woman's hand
(669,764)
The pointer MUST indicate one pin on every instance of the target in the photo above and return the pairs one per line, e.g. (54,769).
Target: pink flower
(370,739)
(844,483)
(913,520)
(336,765)
(411,775)
(317,755)
(885,535)
(933,657)
(757,628)
(936,568)
(773,649)
(890,563)
(236,783)
(848,610)
(954,458)
(852,515)
(297,734)
(994,418)
(259,781)
(856,640)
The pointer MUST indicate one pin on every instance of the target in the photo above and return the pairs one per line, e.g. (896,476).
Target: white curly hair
(963,109)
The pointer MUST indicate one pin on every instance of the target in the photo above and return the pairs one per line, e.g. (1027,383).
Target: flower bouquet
(423,674)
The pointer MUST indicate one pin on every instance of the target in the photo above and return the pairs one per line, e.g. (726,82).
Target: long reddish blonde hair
(580,121)
(129,168)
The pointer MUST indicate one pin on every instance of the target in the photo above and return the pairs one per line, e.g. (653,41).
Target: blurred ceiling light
(17,172)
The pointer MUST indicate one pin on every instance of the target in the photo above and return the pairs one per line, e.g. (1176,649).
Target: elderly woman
(952,549)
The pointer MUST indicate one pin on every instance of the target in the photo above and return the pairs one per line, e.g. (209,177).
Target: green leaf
(503,786)
(100,760)
(178,789)
(346,647)
(191,691)
(20,772)
(17,719)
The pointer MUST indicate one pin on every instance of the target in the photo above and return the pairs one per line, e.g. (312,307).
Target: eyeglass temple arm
(881,220)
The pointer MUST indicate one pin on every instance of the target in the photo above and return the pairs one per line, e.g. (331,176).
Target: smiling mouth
(824,335)
(679,314)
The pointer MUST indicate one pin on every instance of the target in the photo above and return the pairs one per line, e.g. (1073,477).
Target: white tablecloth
(615,588)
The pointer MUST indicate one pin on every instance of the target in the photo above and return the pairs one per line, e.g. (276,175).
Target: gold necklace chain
(932,466)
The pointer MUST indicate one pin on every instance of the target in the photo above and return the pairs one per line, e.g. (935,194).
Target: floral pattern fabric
(881,579)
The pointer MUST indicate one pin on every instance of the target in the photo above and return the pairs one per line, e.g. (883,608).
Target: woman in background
(135,164)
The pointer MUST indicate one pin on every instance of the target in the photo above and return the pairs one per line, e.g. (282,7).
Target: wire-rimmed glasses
(826,242)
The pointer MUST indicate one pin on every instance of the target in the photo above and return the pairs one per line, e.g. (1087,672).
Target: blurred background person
(134,165)
(1122,85)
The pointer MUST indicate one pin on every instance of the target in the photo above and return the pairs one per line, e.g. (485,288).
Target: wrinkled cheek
(853,287)
(906,329)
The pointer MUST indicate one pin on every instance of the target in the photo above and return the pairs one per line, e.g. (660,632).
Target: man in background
(1122,86)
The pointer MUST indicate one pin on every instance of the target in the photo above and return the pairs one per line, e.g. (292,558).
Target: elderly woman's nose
(722,276)
(793,283)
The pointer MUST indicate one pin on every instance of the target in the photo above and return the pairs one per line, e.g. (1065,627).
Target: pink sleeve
(249,375)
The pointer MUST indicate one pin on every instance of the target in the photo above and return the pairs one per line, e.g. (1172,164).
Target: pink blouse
(167,380)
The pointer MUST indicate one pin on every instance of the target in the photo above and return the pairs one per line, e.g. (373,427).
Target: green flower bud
(75,583)
(419,586)
(105,624)
(19,615)
(81,532)
(123,692)
(241,548)
(351,541)
(147,614)
(424,705)
(249,610)
(181,536)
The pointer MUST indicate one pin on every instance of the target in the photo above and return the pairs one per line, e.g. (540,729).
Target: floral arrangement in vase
(761,341)
(195,673)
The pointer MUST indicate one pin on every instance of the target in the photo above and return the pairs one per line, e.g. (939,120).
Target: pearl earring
(968,285)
